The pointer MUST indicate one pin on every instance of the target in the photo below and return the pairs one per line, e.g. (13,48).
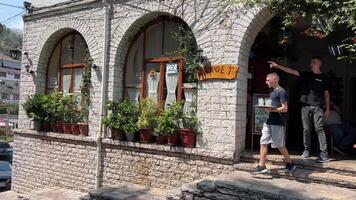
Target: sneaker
(290,167)
(306,154)
(260,170)
(339,150)
(323,159)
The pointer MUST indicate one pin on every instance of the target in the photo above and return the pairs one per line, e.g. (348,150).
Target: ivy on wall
(325,16)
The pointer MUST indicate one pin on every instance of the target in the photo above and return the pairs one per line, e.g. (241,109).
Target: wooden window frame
(61,67)
(161,60)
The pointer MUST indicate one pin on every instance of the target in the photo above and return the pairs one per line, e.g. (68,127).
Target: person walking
(273,131)
(314,96)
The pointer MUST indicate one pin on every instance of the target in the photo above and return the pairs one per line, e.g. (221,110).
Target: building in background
(10,70)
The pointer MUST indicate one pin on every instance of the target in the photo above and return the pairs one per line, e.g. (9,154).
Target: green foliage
(67,108)
(12,109)
(187,49)
(85,91)
(34,107)
(169,119)
(148,114)
(9,40)
(190,120)
(325,16)
(123,116)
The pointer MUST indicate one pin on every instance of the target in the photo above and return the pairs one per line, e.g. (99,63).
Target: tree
(325,16)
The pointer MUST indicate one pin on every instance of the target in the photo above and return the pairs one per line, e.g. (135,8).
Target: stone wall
(67,161)
(225,32)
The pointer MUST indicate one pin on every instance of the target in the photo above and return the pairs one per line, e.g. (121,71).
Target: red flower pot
(187,137)
(146,135)
(162,139)
(54,126)
(173,139)
(75,129)
(118,134)
(46,126)
(60,127)
(67,127)
(83,128)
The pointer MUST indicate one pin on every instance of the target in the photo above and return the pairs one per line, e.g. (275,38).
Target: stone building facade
(225,33)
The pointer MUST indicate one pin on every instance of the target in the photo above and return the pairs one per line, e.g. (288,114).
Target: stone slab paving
(127,191)
(243,184)
(327,177)
(8,195)
(340,164)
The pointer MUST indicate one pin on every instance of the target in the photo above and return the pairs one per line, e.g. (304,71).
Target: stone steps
(243,185)
(342,167)
(304,175)
(125,191)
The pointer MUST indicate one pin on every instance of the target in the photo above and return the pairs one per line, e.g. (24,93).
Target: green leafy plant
(169,119)
(67,108)
(85,91)
(123,116)
(190,119)
(50,107)
(325,16)
(188,49)
(34,107)
(148,114)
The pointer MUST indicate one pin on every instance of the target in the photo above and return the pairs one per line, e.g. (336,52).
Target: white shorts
(274,135)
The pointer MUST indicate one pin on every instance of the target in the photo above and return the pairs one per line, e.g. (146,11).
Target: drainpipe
(103,93)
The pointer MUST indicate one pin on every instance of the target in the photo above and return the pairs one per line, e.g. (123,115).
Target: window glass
(66,80)
(154,41)
(67,50)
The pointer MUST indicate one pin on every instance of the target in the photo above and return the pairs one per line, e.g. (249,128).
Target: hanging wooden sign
(220,71)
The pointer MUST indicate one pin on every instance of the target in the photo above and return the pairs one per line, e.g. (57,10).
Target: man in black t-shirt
(314,95)
(273,131)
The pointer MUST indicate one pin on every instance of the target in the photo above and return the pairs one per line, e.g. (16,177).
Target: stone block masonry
(67,161)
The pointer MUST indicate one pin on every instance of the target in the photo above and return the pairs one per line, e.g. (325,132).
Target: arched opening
(154,66)
(66,64)
(294,48)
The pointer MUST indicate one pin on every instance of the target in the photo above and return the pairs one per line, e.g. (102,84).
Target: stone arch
(253,22)
(48,40)
(123,43)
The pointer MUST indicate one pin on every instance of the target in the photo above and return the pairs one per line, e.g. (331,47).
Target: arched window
(154,66)
(65,66)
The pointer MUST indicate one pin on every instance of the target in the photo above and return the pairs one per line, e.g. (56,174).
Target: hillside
(10,39)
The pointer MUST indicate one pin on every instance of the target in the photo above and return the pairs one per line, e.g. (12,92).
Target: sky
(6,12)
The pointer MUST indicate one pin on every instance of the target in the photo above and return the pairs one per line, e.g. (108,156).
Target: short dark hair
(317,57)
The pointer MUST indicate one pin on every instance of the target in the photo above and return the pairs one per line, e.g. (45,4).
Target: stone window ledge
(54,135)
(144,147)
(227,155)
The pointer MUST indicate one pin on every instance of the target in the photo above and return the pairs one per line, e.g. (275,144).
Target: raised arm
(283,68)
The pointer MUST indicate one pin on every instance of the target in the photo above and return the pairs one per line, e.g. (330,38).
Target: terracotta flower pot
(173,139)
(162,139)
(60,127)
(54,126)
(146,135)
(187,137)
(67,127)
(75,129)
(118,134)
(83,128)
(46,126)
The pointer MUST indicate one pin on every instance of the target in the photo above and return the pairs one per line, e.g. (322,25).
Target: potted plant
(50,107)
(147,119)
(67,109)
(34,109)
(85,98)
(114,120)
(130,113)
(166,128)
(176,112)
(189,127)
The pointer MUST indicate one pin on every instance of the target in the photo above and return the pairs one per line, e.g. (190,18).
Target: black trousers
(314,116)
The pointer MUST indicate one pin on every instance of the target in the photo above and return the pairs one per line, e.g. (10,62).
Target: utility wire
(11,18)
(4,4)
